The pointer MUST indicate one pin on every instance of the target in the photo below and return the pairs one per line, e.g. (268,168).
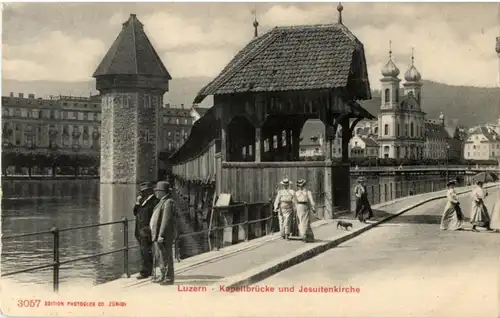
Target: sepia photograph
(264,159)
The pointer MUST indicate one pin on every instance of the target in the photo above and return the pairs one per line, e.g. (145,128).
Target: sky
(454,43)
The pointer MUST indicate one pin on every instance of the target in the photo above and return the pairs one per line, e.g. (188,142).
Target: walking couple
(154,227)
(453,217)
(289,203)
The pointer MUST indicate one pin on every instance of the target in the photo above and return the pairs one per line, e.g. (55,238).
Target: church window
(387,96)
(397,95)
(406,129)
(397,130)
(411,129)
(386,129)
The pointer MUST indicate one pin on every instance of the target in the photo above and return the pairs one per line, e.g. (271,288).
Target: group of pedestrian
(155,215)
(453,217)
(295,205)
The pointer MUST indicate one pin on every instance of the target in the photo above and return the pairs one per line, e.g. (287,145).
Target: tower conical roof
(132,54)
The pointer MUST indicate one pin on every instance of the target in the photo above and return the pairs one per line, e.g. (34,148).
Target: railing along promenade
(373,168)
(249,215)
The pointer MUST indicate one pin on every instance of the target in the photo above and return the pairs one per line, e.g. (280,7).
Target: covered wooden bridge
(249,140)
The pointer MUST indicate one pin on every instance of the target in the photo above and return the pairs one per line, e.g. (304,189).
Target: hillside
(469,105)
(182,90)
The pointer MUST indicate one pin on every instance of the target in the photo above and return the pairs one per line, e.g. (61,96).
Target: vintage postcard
(250,159)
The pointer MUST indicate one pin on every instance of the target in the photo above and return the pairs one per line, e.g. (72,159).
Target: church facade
(401,121)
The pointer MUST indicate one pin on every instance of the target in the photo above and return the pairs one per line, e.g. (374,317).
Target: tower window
(386,129)
(397,129)
(411,129)
(387,96)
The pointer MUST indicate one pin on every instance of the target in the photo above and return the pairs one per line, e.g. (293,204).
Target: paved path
(406,267)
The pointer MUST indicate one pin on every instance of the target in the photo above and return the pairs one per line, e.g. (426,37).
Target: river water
(32,206)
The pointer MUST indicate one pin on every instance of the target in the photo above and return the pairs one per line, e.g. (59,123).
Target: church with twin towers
(401,120)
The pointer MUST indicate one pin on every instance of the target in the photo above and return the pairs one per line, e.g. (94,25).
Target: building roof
(435,131)
(295,58)
(201,110)
(369,142)
(132,54)
(490,134)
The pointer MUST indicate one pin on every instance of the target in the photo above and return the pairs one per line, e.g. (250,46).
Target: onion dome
(412,74)
(390,69)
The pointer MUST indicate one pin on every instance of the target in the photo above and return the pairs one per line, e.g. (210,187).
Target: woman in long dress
(479,215)
(304,206)
(452,218)
(363,210)
(495,217)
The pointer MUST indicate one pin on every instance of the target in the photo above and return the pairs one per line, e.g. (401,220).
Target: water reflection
(40,205)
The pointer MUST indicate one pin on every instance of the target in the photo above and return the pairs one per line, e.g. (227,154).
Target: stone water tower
(132,81)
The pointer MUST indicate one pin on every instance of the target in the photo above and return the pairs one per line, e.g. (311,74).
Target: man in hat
(143,210)
(284,205)
(162,230)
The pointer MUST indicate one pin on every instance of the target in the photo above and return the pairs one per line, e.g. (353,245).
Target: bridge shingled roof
(295,58)
(132,54)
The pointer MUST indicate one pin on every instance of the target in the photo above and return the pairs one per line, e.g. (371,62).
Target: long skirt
(495,217)
(452,218)
(304,222)
(480,216)
(363,210)
(285,219)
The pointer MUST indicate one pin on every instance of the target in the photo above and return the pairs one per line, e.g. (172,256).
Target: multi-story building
(312,140)
(176,126)
(483,143)
(363,146)
(70,124)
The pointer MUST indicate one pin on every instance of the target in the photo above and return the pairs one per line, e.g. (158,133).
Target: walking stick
(154,260)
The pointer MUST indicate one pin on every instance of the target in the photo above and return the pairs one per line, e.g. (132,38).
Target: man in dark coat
(143,210)
(163,232)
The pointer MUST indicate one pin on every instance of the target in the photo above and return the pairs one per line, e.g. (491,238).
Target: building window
(387,96)
(147,136)
(186,122)
(275,142)
(90,116)
(386,129)
(147,101)
(169,146)
(169,133)
(283,138)
(98,117)
(411,130)
(177,121)
(397,130)
(165,120)
(5,111)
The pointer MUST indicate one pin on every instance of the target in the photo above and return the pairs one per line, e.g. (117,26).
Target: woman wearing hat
(452,218)
(305,205)
(479,215)
(363,210)
(283,205)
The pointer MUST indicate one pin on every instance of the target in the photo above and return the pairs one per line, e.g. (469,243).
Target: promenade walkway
(261,257)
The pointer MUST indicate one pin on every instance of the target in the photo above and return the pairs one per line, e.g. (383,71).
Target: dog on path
(343,224)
